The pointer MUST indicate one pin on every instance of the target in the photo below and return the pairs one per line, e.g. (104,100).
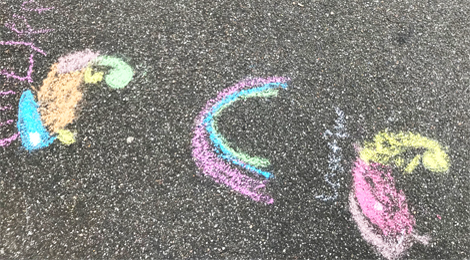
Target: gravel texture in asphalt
(129,187)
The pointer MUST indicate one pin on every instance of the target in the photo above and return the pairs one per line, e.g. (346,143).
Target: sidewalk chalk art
(19,25)
(28,75)
(39,124)
(213,154)
(19,19)
(335,156)
(33,6)
(378,208)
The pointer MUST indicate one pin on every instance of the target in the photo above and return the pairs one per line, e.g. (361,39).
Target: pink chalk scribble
(6,93)
(12,26)
(34,9)
(8,107)
(7,141)
(8,122)
(29,73)
(381,211)
(30,44)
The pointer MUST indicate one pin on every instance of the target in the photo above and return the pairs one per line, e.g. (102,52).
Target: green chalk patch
(120,73)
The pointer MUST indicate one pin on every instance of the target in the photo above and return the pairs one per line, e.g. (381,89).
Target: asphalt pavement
(136,183)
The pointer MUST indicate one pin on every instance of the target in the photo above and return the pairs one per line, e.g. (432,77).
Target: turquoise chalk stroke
(33,134)
(226,152)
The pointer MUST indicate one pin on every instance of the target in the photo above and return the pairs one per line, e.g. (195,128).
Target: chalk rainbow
(212,153)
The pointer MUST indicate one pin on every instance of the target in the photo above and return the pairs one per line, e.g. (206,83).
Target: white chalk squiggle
(335,156)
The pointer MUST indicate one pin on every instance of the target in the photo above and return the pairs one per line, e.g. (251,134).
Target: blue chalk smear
(33,134)
(214,136)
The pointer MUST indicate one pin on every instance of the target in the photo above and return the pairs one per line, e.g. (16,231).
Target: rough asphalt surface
(396,65)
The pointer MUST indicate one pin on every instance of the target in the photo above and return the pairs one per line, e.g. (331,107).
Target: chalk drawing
(389,147)
(5,108)
(334,158)
(76,61)
(6,93)
(13,26)
(120,73)
(39,125)
(33,6)
(29,31)
(27,119)
(379,209)
(29,73)
(33,134)
(211,151)
(8,122)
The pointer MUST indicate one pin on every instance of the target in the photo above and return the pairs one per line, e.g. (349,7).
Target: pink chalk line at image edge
(12,26)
